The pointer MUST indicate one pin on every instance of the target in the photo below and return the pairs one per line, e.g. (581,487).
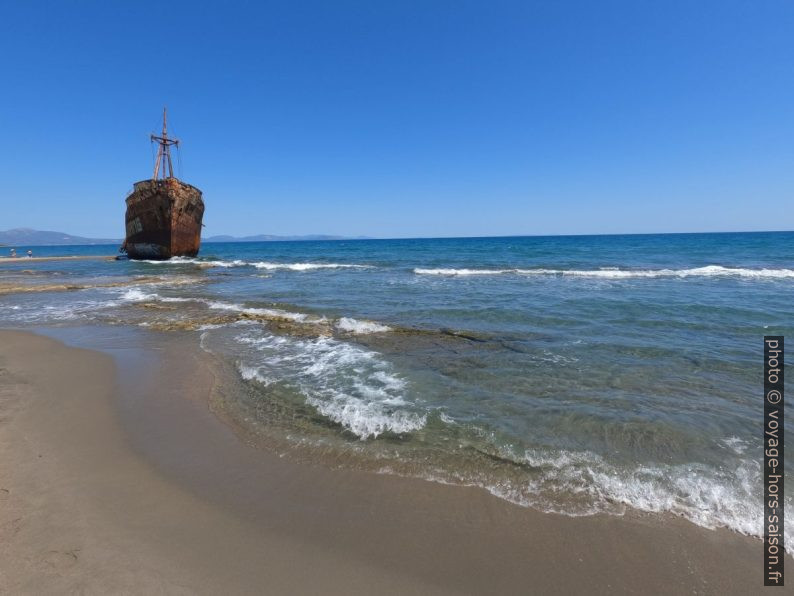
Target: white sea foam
(61,313)
(250,373)
(74,310)
(265,312)
(446,419)
(306,266)
(710,498)
(615,273)
(257,264)
(348,384)
(138,295)
(194,261)
(553,357)
(707,271)
(350,325)
(463,272)
(707,496)
(737,445)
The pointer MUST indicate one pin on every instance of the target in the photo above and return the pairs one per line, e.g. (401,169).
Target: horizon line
(339,238)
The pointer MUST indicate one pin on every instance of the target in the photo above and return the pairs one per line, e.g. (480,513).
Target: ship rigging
(164,214)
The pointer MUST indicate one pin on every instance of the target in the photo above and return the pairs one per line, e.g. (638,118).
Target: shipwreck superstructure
(164,214)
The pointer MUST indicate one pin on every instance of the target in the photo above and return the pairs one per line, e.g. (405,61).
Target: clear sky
(399,118)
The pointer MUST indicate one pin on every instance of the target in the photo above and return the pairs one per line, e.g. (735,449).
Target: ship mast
(164,153)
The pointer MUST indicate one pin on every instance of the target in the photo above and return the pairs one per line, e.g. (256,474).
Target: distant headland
(29,237)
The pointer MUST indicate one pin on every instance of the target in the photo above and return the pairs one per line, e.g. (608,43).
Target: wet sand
(120,479)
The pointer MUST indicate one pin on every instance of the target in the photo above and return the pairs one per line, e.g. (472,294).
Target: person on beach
(13,252)
(30,254)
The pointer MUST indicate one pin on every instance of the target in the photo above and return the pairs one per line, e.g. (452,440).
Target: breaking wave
(347,384)
(447,271)
(306,266)
(706,496)
(251,373)
(350,325)
(264,312)
(257,264)
(615,273)
(194,261)
(138,295)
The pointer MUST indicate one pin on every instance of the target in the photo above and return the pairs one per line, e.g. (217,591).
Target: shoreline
(135,445)
(25,259)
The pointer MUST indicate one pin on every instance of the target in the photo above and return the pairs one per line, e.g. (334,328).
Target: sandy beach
(116,481)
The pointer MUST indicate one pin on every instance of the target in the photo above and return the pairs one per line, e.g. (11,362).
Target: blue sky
(391,119)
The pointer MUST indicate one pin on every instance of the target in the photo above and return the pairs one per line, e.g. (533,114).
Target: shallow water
(573,374)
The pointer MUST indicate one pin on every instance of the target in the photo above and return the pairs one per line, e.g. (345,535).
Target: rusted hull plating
(163,220)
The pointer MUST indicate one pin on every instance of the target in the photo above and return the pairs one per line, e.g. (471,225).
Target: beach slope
(82,510)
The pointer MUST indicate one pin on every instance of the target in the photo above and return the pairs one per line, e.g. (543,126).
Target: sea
(572,374)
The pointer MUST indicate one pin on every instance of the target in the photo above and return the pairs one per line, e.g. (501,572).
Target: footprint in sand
(4,492)
(10,528)
(60,560)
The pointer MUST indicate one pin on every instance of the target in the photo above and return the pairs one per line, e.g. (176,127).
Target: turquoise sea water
(573,374)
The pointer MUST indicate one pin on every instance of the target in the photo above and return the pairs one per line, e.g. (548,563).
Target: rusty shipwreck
(164,214)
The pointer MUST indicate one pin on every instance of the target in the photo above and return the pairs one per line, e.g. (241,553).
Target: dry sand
(140,489)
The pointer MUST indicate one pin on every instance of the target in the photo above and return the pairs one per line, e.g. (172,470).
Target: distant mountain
(28,237)
(272,238)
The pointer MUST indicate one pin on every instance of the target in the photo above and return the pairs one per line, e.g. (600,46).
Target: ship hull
(163,220)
